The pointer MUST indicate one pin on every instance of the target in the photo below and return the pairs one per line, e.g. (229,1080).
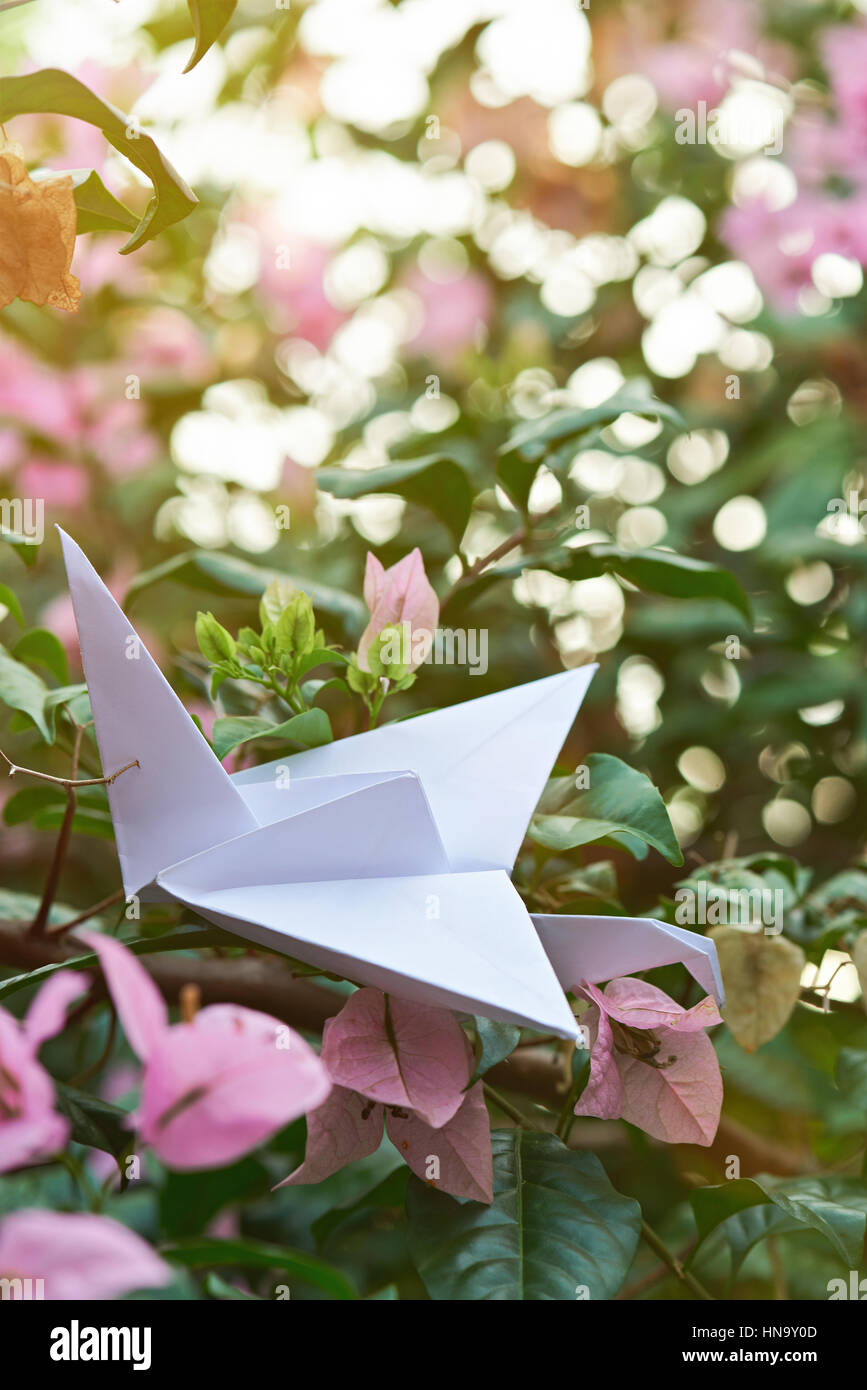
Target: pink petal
(374,581)
(47,1013)
(602,1095)
(347,1127)
(462,1148)
(80,1256)
(678,1103)
(641,1005)
(403,594)
(399,1053)
(215,1089)
(138,1001)
(29,1128)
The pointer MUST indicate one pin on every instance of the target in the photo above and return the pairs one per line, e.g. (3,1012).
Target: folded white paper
(384,857)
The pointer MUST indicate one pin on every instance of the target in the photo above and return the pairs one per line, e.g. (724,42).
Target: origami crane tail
(179,800)
(604,948)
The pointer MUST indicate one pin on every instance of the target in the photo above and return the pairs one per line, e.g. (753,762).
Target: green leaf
(98,210)
(496,1041)
(63,95)
(25,546)
(188,939)
(851,1076)
(529,442)
(533,437)
(555,1225)
(189,1201)
(210,18)
(320,656)
(618,799)
(10,600)
(310,729)
(27,802)
(836,1207)
(21,689)
(747,1228)
(85,822)
(389,1192)
(434,481)
(22,907)
(215,1287)
(658,571)
(203,1253)
(41,646)
(94,1122)
(233,578)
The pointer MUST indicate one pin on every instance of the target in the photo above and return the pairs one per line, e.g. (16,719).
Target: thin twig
(89,912)
(507,1108)
(73,782)
(71,786)
(476,568)
(686,1276)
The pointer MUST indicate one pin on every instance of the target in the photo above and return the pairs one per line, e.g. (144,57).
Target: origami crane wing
(462,941)
(483,764)
(180,799)
(602,948)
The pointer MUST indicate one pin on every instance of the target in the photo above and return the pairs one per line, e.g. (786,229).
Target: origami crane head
(384,857)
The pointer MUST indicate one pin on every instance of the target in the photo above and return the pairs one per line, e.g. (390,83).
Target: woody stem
(668,1257)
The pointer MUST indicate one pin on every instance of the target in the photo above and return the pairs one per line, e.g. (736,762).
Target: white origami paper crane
(384,857)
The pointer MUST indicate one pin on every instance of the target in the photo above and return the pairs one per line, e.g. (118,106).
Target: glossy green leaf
(186,939)
(210,18)
(26,548)
(309,730)
(52,90)
(496,1041)
(9,599)
(21,689)
(618,799)
(217,1288)
(434,481)
(203,1253)
(190,1201)
(95,1122)
(556,1227)
(835,1206)
(658,571)
(98,210)
(41,647)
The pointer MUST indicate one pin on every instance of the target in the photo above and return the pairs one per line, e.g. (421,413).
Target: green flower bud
(386,655)
(295,629)
(362,682)
(278,594)
(215,643)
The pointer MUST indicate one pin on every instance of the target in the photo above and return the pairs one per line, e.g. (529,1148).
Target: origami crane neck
(181,800)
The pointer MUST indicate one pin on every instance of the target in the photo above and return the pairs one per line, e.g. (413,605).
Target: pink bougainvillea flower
(401,596)
(77,1255)
(399,1053)
(30,1129)
(780,245)
(454,312)
(62,486)
(213,1088)
(407,1065)
(163,346)
(651,1062)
